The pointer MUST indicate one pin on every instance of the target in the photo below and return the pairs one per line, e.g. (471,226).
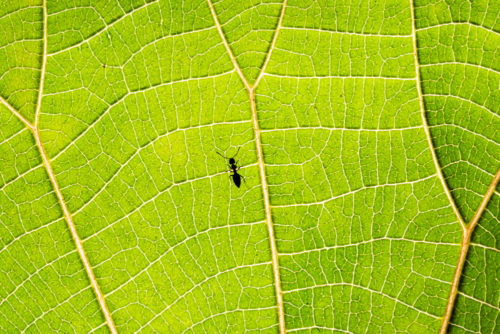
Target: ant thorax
(234,169)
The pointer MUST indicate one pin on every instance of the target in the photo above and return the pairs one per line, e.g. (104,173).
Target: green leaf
(367,135)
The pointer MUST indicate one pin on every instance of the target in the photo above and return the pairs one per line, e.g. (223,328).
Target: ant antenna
(234,156)
(237,152)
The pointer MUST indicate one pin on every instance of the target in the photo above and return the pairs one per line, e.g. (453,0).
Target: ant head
(231,161)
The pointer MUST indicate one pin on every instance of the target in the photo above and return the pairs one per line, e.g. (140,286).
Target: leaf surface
(368,135)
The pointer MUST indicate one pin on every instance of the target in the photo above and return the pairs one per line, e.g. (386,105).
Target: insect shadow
(231,162)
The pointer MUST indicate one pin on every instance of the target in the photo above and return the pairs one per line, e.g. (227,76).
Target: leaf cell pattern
(369,142)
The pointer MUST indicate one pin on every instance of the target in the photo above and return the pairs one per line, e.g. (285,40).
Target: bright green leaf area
(140,95)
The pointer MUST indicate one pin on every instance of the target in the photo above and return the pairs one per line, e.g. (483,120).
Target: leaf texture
(368,135)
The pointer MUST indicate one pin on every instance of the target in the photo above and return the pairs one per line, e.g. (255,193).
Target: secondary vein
(464,250)
(424,121)
(260,155)
(57,189)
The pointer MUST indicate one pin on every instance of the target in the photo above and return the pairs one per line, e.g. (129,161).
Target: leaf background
(137,98)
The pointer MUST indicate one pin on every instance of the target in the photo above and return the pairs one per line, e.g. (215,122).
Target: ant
(234,168)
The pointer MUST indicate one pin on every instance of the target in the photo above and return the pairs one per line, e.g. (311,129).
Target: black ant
(234,168)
